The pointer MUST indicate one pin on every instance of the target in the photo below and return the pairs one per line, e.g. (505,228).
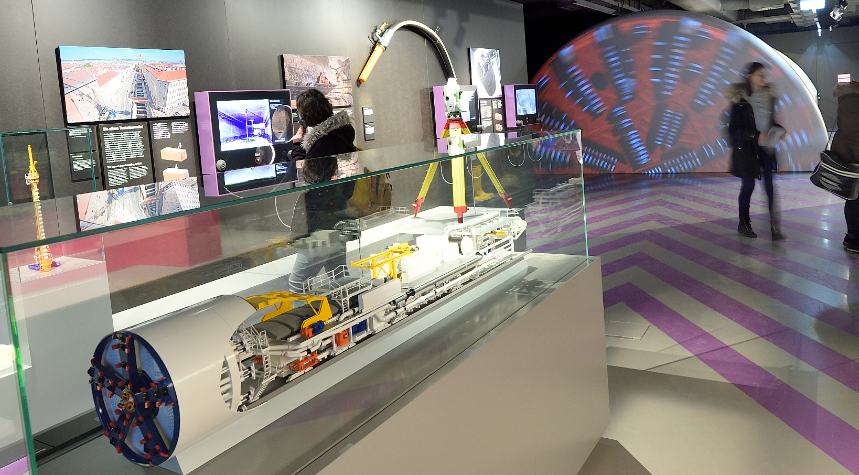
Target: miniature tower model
(42,254)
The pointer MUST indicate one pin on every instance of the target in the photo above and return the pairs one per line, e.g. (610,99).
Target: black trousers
(851,215)
(749,186)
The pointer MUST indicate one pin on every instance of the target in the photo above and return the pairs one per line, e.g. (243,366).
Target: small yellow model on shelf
(44,260)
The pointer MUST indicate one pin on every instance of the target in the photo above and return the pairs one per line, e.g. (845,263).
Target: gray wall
(235,44)
(822,58)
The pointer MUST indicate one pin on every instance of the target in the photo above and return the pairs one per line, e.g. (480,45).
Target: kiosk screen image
(244,124)
(526,101)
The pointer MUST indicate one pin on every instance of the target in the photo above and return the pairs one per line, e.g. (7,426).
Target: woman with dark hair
(845,145)
(327,134)
(753,136)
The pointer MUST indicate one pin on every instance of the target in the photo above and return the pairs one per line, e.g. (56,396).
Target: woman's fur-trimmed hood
(842,90)
(738,91)
(325,127)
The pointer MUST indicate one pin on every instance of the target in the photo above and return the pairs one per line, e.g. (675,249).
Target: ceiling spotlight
(838,12)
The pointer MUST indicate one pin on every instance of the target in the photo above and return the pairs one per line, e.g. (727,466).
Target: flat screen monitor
(526,101)
(243,134)
(521,104)
(113,84)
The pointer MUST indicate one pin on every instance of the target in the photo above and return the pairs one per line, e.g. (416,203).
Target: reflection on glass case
(202,327)
(72,146)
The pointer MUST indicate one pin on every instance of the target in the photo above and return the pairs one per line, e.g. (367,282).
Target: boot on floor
(477,183)
(776,232)
(745,228)
(851,243)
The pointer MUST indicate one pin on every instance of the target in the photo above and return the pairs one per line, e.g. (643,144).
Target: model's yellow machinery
(282,303)
(386,261)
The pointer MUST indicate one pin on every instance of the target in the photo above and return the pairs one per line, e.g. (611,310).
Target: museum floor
(727,355)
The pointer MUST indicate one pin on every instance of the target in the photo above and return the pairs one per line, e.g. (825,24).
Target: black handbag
(837,177)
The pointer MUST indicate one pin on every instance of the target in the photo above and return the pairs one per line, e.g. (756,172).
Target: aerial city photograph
(108,84)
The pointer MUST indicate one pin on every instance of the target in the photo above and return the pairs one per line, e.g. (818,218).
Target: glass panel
(16,449)
(376,161)
(61,157)
(336,241)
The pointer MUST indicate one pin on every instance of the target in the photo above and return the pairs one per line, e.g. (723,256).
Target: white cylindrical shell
(466,246)
(193,344)
(450,252)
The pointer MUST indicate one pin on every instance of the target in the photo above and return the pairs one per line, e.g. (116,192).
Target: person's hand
(299,135)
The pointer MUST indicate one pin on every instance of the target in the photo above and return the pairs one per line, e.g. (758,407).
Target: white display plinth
(332,372)
(532,397)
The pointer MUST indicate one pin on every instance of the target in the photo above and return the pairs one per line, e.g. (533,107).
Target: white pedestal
(533,399)
(334,371)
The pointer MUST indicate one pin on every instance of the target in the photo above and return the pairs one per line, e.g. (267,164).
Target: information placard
(127,159)
(83,154)
(174,152)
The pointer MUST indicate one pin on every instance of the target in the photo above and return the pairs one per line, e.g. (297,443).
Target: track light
(838,12)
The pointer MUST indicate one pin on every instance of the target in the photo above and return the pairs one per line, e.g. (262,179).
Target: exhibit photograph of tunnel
(244,124)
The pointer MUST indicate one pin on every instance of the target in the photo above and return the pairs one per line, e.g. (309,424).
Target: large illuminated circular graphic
(647,90)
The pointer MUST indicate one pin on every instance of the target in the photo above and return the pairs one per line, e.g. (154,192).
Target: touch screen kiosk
(244,138)
(520,103)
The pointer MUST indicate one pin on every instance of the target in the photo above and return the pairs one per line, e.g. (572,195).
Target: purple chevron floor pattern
(739,355)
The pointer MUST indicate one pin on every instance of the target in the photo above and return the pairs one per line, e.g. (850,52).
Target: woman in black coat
(751,129)
(845,145)
(327,135)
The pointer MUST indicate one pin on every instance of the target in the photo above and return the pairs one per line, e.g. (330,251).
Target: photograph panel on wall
(131,203)
(174,149)
(485,67)
(103,84)
(126,156)
(330,74)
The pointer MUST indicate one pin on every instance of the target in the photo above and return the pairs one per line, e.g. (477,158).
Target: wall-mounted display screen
(332,75)
(109,84)
(242,130)
(526,101)
(521,104)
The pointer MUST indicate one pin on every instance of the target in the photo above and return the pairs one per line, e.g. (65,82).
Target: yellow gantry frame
(389,257)
(278,299)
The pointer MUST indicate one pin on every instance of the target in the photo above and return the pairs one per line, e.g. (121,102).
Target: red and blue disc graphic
(135,399)
(648,92)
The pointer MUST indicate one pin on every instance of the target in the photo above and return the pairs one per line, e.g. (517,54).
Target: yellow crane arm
(280,301)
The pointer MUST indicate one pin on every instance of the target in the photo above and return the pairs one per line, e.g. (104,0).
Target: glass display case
(23,152)
(300,305)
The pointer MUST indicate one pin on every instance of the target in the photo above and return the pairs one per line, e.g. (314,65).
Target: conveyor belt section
(135,399)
